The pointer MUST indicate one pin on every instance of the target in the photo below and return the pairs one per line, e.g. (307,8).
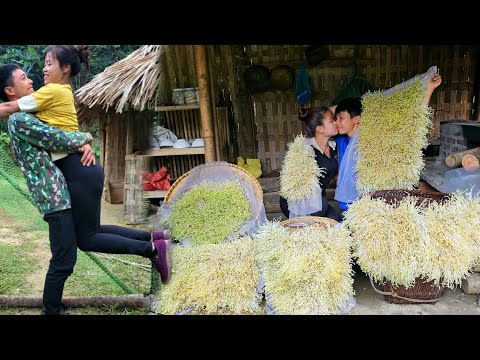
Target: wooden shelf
(177,107)
(175,152)
(155,194)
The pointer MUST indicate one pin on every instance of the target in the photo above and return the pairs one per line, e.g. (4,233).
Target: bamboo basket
(244,175)
(422,291)
(423,197)
(303,221)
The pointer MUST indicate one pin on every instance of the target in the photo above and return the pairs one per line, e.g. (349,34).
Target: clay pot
(282,77)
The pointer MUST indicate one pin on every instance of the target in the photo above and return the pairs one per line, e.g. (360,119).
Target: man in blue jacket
(348,114)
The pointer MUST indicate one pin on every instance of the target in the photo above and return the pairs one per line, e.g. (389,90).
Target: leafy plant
(4,138)
(30,58)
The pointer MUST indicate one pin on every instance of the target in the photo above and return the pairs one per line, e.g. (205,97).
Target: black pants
(63,246)
(327,209)
(85,184)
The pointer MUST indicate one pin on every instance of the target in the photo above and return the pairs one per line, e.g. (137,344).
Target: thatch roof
(132,80)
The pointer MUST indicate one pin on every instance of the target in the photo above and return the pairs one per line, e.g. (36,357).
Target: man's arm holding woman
(8,108)
(28,128)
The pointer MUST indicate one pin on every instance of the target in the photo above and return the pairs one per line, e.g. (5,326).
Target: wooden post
(102,139)
(211,55)
(130,141)
(208,132)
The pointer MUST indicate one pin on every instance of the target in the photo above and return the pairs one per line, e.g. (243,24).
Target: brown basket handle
(400,297)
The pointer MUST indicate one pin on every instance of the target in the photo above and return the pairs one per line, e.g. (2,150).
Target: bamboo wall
(178,71)
(261,125)
(226,67)
(384,66)
(113,150)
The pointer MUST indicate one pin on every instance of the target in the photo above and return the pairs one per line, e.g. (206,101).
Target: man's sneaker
(161,235)
(162,261)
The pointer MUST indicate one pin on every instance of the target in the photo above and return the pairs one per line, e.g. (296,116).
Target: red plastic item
(156,181)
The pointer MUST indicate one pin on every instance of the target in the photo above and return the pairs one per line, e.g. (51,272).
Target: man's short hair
(6,78)
(351,105)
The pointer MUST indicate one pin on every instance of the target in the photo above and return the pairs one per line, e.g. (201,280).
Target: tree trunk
(455,160)
(471,161)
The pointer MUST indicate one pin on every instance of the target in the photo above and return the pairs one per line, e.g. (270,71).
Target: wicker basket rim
(309,220)
(257,187)
(421,196)
(408,192)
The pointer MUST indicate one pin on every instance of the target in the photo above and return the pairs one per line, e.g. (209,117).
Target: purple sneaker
(161,235)
(163,261)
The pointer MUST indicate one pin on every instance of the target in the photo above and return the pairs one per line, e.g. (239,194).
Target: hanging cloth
(302,86)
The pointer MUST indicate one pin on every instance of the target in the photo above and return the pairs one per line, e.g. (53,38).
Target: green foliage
(93,129)
(30,58)
(4,138)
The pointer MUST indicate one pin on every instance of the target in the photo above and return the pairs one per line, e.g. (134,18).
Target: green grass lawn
(29,253)
(15,264)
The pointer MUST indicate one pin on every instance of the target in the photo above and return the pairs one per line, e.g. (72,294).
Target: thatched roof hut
(133,81)
(128,96)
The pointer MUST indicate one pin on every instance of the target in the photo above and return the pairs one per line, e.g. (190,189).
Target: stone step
(471,285)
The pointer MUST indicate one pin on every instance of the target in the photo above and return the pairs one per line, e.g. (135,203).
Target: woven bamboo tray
(244,175)
(303,221)
(422,291)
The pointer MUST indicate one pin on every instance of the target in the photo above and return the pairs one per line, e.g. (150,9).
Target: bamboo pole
(211,55)
(205,102)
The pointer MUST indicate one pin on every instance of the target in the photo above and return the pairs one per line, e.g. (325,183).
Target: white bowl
(198,143)
(166,143)
(181,144)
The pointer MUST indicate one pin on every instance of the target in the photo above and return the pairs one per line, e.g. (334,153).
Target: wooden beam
(208,131)
(127,301)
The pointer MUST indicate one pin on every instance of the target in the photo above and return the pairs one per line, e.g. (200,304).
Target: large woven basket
(423,197)
(244,175)
(422,291)
(303,221)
